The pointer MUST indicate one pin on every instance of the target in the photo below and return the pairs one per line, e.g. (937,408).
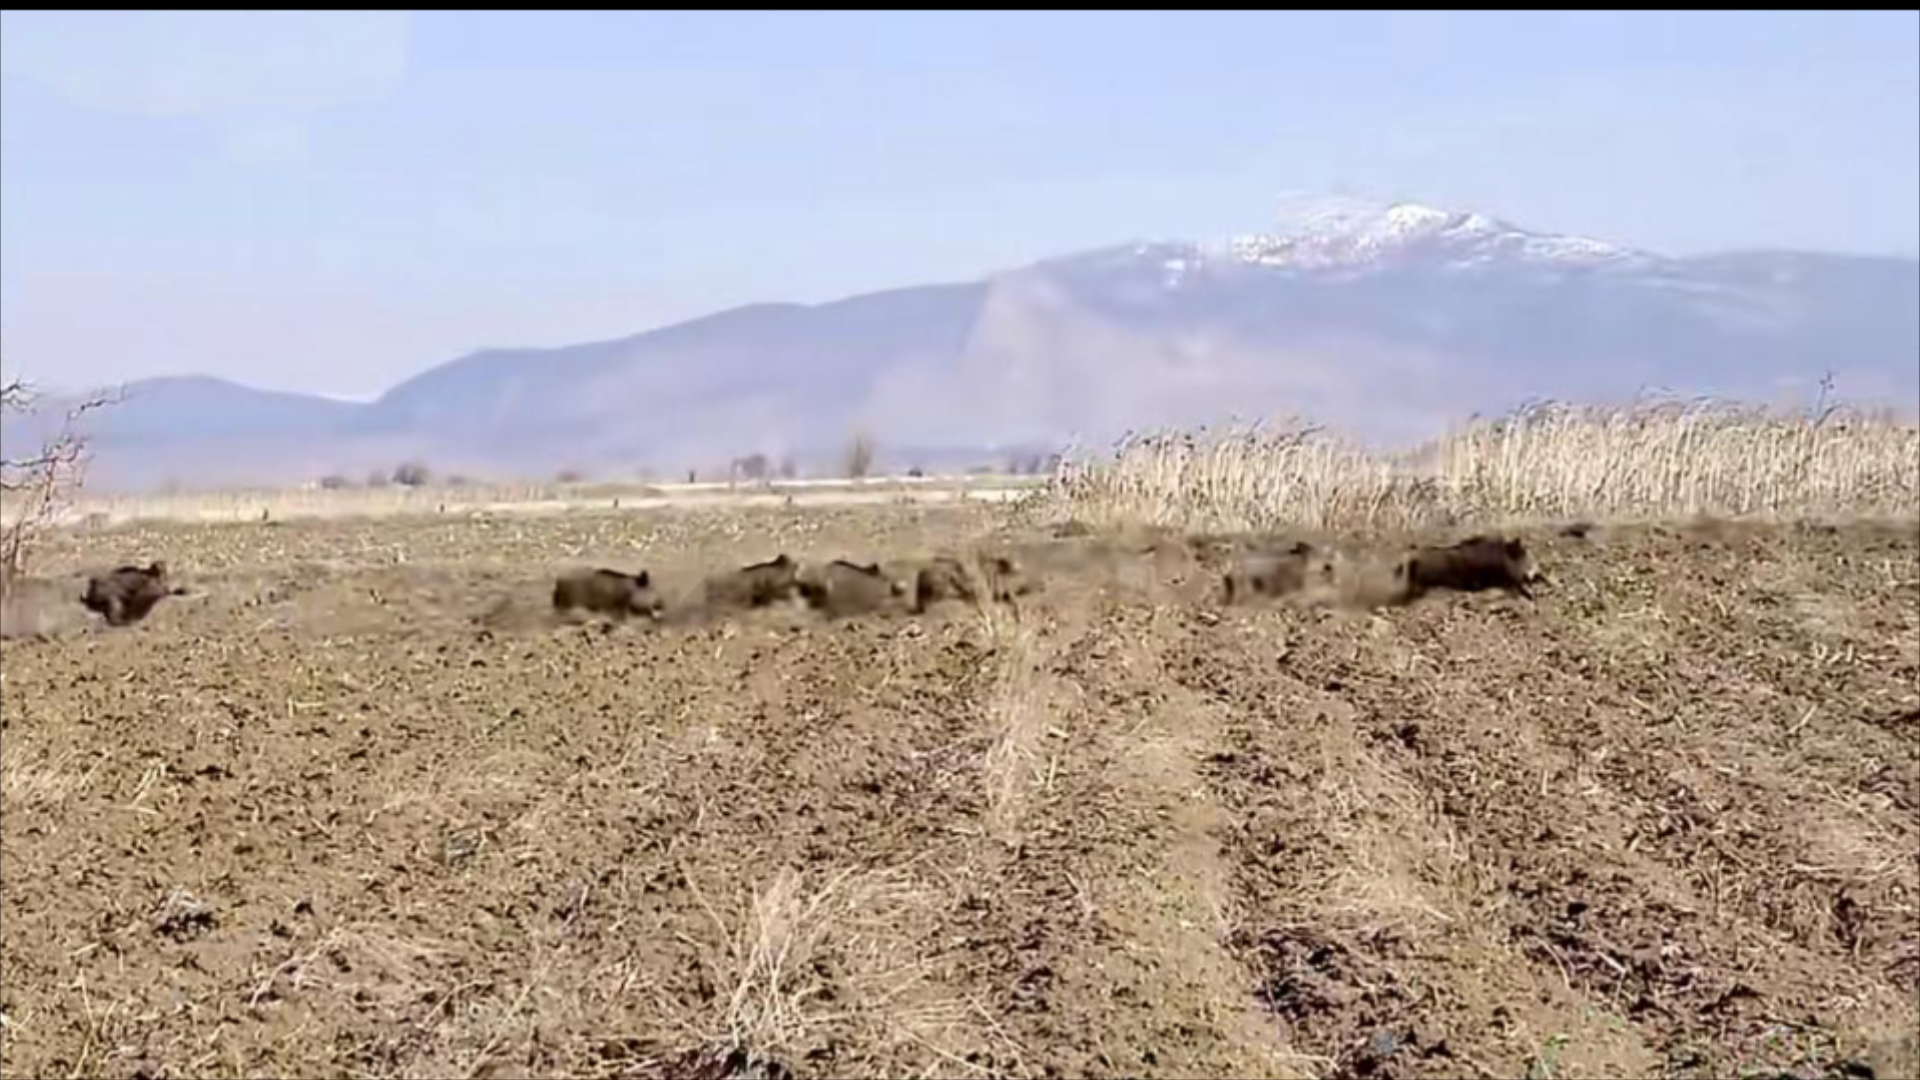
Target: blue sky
(333,202)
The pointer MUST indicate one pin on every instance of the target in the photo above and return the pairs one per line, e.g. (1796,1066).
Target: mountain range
(1386,321)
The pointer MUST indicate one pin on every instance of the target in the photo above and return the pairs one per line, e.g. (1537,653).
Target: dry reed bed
(1548,462)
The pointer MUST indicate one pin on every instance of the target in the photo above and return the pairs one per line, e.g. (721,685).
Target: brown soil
(358,808)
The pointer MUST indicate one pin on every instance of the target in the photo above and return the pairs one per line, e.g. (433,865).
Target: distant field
(314,502)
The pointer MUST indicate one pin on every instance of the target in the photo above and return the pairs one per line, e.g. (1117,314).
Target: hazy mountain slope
(1384,320)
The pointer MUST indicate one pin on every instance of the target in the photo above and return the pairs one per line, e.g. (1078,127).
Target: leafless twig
(36,486)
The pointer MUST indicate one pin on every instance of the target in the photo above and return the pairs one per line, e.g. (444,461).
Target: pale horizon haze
(331,203)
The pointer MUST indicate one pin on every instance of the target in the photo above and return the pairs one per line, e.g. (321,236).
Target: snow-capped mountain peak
(1350,235)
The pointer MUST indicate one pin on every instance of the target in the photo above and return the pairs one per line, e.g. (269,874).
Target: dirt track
(321,821)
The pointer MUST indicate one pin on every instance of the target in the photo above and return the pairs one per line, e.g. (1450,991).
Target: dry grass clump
(1682,458)
(1236,479)
(1019,710)
(1549,461)
(38,781)
(844,956)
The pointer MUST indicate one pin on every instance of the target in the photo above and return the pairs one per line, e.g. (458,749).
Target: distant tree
(568,476)
(335,482)
(753,467)
(860,453)
(412,474)
(35,488)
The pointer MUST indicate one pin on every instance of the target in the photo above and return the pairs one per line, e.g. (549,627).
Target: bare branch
(36,487)
(16,395)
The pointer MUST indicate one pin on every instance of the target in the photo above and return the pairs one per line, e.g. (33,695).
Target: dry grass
(385,966)
(786,924)
(805,961)
(1232,480)
(1682,459)
(33,781)
(1651,460)
(1018,710)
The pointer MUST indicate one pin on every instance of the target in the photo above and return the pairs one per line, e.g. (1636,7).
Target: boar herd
(1251,570)
(839,588)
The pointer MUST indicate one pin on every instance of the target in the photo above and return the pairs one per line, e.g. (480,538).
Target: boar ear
(1515,548)
(642,579)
